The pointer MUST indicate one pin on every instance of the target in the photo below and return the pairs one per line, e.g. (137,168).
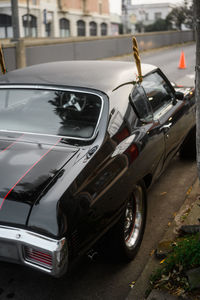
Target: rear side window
(66,113)
(157,90)
(141,104)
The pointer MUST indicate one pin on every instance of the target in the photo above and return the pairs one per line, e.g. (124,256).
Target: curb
(187,214)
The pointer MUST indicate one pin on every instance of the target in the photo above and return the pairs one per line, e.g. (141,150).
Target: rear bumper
(14,241)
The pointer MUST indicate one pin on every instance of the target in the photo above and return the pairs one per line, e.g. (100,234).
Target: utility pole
(15,20)
(197,77)
(124,17)
(28,17)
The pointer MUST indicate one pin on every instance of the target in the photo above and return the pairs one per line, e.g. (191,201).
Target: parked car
(80,143)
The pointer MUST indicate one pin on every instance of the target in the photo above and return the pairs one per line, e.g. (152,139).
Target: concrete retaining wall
(40,51)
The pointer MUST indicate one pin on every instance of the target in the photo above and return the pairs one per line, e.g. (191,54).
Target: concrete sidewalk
(188,214)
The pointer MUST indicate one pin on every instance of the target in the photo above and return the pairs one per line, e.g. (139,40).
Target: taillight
(122,135)
(132,152)
(38,257)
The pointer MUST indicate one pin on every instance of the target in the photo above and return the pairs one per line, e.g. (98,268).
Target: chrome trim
(51,88)
(17,238)
(45,134)
(163,110)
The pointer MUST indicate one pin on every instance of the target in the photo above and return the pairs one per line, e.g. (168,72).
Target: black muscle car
(80,143)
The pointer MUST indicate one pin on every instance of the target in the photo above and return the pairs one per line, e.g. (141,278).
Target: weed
(184,256)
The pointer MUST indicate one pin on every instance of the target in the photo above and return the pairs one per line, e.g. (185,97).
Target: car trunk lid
(28,163)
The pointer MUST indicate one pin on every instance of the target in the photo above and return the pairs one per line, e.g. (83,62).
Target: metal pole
(28,17)
(15,20)
(126,18)
(124,14)
(197,78)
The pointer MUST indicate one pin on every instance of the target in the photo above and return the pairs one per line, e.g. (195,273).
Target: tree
(139,26)
(181,15)
(197,79)
(177,17)
(158,25)
(189,19)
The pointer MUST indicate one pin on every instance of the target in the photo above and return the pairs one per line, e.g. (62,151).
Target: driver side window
(157,90)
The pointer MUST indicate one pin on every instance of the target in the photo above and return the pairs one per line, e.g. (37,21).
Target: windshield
(65,113)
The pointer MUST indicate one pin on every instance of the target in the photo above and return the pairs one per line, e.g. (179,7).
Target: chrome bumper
(14,240)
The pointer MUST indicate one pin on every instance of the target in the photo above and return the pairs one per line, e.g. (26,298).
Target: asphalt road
(105,278)
(168,60)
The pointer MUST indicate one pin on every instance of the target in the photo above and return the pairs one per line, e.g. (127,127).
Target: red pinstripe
(28,171)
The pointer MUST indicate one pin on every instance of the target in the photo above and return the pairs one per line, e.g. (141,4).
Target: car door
(171,113)
(102,183)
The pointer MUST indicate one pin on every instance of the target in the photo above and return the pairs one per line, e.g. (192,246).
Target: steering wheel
(73,102)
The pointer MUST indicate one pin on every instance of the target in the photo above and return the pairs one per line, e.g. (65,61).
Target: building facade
(57,18)
(115,24)
(144,13)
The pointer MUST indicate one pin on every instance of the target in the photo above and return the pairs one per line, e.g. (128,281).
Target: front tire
(128,232)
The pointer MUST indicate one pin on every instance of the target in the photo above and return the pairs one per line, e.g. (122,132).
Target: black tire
(188,148)
(128,232)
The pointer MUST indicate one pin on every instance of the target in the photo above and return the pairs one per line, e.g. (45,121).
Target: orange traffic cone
(182,61)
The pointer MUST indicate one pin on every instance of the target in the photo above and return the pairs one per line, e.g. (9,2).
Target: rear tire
(188,148)
(128,232)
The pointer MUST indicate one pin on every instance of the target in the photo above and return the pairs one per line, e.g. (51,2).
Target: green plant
(186,253)
(158,25)
(184,256)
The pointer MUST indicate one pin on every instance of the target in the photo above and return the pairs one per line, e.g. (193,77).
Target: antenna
(137,58)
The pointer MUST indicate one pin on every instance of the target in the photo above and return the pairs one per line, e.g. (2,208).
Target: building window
(30,25)
(80,28)
(5,26)
(158,15)
(93,28)
(64,28)
(104,29)
(146,16)
(48,29)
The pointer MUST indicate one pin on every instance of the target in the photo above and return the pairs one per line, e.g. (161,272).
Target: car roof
(104,76)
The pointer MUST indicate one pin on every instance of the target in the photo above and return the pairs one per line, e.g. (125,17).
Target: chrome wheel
(126,236)
(133,218)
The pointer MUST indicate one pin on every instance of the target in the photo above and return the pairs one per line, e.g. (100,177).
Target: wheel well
(147,180)
(188,147)
(191,135)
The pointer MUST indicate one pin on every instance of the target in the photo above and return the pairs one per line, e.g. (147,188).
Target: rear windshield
(64,113)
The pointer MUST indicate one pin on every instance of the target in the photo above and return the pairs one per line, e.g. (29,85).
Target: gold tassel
(137,58)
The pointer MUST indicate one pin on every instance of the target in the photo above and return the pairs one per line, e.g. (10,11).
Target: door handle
(166,126)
